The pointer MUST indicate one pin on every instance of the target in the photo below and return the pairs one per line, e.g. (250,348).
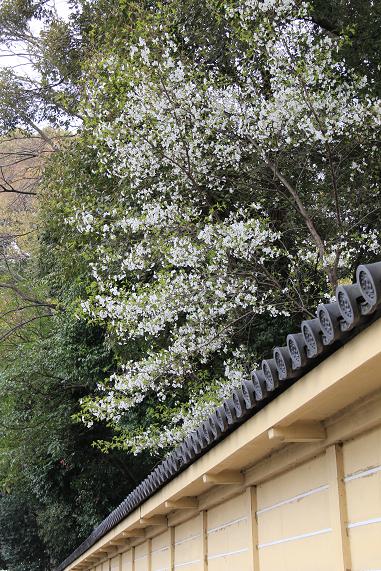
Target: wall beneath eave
(323,514)
(307,506)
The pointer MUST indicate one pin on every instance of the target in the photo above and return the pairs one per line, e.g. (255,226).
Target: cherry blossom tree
(237,196)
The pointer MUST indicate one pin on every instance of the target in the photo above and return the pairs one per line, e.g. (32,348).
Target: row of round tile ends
(333,322)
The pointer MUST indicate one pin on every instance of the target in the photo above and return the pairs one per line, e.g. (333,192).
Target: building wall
(161,559)
(362,467)
(294,520)
(228,535)
(321,515)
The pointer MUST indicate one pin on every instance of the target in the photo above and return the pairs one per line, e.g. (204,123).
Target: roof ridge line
(357,305)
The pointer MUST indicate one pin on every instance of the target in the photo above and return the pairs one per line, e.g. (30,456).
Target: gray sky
(23,66)
(62,8)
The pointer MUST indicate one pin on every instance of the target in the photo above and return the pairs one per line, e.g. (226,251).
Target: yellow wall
(161,552)
(362,466)
(127,560)
(294,519)
(188,545)
(142,557)
(228,541)
(300,506)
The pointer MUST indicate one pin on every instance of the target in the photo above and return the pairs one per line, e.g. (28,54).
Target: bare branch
(14,191)
(42,134)
(22,324)
(26,297)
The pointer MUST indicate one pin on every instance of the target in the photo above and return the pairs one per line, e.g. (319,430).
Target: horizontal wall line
(160,549)
(196,536)
(295,537)
(365,522)
(227,524)
(293,499)
(362,474)
(228,554)
(187,563)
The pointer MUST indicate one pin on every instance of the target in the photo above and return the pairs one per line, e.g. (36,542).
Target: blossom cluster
(187,249)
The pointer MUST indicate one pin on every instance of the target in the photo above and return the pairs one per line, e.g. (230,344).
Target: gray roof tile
(356,307)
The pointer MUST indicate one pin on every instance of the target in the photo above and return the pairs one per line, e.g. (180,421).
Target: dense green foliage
(48,463)
(64,353)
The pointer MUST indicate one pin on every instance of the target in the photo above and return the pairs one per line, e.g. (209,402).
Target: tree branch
(22,324)
(26,297)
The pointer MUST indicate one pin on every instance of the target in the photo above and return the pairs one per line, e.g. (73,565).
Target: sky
(62,8)
(23,66)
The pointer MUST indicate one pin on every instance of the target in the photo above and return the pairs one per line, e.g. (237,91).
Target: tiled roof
(356,306)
